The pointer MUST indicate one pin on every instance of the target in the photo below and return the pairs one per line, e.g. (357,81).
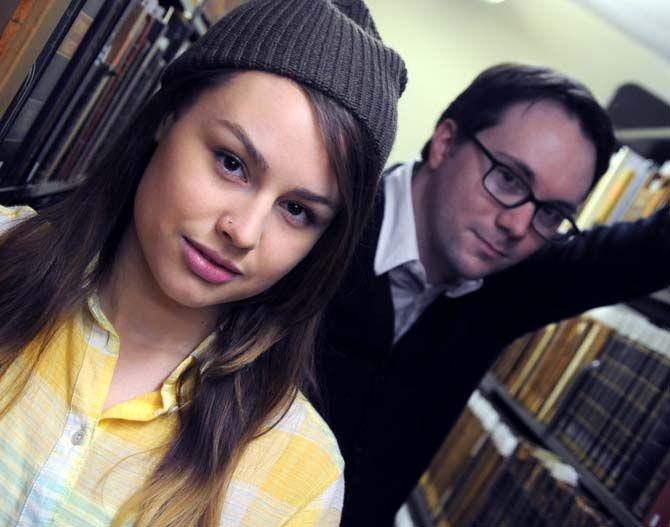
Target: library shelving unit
(520,417)
(593,391)
(71,74)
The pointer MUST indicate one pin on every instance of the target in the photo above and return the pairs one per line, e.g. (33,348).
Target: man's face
(466,232)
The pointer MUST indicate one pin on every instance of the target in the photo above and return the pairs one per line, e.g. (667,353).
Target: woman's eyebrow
(251,149)
(316,198)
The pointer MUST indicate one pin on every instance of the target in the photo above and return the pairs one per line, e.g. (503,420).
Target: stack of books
(633,187)
(485,475)
(72,73)
(601,384)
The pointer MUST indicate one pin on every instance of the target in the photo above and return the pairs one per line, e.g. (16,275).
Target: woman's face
(238,191)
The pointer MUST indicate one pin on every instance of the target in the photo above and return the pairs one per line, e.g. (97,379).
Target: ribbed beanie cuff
(332,46)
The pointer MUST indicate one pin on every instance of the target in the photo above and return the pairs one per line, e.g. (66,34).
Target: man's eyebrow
(317,198)
(571,207)
(243,137)
(521,166)
(518,165)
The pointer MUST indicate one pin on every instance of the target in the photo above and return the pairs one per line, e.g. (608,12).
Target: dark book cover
(630,362)
(8,145)
(63,96)
(579,421)
(629,417)
(114,120)
(120,47)
(653,486)
(648,455)
(612,384)
(51,72)
(636,418)
(25,35)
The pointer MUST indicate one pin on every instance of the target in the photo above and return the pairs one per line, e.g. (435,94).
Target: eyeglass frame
(530,198)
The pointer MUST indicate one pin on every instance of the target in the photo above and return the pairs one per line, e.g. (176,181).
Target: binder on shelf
(107,63)
(45,75)
(64,97)
(25,35)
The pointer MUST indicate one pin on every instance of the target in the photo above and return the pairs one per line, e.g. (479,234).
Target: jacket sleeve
(604,265)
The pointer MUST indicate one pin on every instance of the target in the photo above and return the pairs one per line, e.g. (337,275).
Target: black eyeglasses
(510,190)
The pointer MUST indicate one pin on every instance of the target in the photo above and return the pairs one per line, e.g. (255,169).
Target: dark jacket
(391,406)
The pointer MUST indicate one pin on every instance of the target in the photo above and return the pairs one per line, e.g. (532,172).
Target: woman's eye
(298,214)
(230,164)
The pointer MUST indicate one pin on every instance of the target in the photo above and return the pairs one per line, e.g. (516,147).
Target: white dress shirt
(398,254)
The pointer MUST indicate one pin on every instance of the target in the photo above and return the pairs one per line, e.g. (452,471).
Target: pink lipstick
(206,264)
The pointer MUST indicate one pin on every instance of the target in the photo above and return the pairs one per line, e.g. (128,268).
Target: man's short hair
(483,103)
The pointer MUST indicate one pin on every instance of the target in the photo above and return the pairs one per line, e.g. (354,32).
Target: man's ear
(441,143)
(162,129)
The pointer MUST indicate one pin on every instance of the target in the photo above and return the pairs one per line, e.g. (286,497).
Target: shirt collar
(397,239)
(156,403)
(398,244)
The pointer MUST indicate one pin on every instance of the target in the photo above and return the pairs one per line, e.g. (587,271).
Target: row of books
(633,187)
(96,62)
(601,384)
(104,60)
(485,474)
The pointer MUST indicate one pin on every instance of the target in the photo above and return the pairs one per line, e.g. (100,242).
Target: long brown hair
(263,352)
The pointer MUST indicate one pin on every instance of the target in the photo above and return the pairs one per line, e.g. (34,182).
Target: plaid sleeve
(324,509)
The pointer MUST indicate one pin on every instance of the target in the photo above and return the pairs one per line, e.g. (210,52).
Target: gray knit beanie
(330,45)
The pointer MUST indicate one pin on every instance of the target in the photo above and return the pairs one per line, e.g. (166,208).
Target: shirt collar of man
(398,244)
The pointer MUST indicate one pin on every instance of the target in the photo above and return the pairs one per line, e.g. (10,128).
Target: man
(463,254)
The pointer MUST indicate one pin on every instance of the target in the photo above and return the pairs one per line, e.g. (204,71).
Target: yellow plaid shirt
(65,462)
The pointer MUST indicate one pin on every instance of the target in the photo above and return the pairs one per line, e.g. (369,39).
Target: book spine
(50,75)
(625,439)
(627,366)
(649,455)
(579,421)
(23,38)
(45,132)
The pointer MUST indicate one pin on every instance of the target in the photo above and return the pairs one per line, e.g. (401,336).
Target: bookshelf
(487,473)
(35,195)
(77,70)
(525,420)
(606,418)
(593,391)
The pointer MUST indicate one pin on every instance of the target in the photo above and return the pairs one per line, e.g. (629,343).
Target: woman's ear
(162,129)
(442,142)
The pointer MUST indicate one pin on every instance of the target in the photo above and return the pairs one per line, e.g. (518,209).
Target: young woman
(157,326)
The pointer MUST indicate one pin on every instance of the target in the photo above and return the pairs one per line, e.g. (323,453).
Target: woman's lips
(207,265)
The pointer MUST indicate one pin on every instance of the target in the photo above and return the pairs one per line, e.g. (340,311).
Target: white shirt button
(78,437)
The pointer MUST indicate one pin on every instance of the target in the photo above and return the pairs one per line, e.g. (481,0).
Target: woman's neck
(142,314)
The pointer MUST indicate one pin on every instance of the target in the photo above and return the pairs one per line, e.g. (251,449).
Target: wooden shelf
(516,413)
(30,194)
